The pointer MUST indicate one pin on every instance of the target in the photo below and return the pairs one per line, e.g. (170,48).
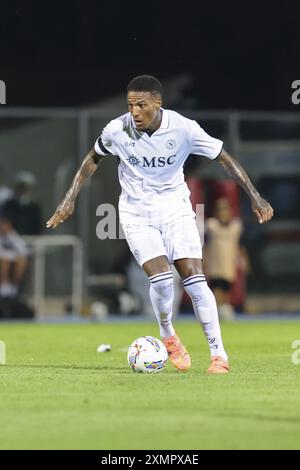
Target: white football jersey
(151,167)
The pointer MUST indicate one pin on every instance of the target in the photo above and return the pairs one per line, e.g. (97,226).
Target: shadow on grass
(66,367)
(100,368)
(262,417)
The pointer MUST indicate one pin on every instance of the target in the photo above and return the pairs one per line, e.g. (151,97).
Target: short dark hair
(146,83)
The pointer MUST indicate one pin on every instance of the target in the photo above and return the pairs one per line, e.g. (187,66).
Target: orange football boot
(178,355)
(218,365)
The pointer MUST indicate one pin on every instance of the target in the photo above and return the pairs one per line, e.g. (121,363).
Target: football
(147,354)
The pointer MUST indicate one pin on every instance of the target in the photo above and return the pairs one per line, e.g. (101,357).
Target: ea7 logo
(296,354)
(2,92)
(296,93)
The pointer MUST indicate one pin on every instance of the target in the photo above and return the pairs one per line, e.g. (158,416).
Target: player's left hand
(262,209)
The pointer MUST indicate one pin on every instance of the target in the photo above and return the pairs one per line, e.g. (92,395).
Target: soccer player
(152,145)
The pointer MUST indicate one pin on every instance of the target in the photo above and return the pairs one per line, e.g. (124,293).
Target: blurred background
(66,66)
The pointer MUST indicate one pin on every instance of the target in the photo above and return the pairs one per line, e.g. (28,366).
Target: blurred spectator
(5,192)
(22,209)
(223,255)
(13,260)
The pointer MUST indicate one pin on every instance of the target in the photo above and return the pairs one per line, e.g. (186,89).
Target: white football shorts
(12,246)
(176,240)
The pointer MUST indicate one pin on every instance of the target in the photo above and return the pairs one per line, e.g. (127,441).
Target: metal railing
(39,245)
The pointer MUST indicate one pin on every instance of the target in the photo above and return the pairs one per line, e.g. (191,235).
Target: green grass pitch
(56,392)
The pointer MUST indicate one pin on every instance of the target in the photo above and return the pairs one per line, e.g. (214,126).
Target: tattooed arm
(66,207)
(261,208)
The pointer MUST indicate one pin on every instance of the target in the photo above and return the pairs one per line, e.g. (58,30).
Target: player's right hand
(63,211)
(262,209)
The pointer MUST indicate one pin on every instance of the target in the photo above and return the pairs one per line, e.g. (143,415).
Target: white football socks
(162,295)
(206,311)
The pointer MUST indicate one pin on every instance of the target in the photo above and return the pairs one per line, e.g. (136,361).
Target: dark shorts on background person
(219,283)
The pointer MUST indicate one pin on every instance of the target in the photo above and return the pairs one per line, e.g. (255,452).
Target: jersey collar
(165,119)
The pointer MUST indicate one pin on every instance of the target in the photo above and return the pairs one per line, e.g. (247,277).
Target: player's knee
(191,270)
(189,267)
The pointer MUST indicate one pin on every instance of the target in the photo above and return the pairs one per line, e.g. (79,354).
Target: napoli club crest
(171,144)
